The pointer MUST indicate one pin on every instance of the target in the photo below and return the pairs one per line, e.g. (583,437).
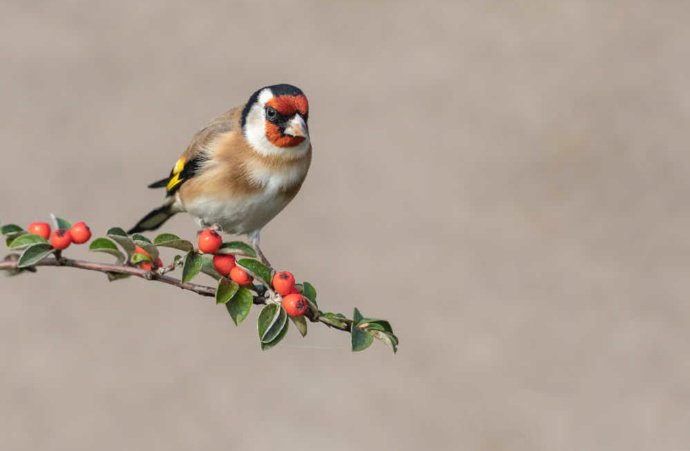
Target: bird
(242,168)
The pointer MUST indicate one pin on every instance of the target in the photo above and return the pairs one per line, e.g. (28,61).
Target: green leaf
(173,241)
(59,223)
(26,240)
(208,268)
(139,258)
(13,236)
(34,254)
(357,316)
(237,247)
(277,339)
(272,319)
(364,325)
(388,338)
(361,340)
(140,237)
(9,229)
(226,290)
(376,324)
(309,292)
(120,237)
(300,323)
(240,305)
(334,319)
(107,246)
(192,267)
(275,328)
(257,269)
(146,245)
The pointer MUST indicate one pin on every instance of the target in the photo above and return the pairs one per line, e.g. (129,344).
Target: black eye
(271,113)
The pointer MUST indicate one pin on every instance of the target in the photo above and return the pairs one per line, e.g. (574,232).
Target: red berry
(80,233)
(41,229)
(223,263)
(294,291)
(209,241)
(149,266)
(295,304)
(284,282)
(60,239)
(240,276)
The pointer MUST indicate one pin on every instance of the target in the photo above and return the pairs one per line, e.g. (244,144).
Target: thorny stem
(201,290)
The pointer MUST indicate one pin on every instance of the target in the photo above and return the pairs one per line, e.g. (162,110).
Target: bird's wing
(191,161)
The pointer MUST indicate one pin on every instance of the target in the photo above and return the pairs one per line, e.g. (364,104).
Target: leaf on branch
(25,240)
(11,229)
(334,319)
(59,223)
(226,290)
(120,237)
(107,246)
(173,241)
(240,305)
(309,292)
(300,323)
(272,321)
(34,254)
(237,247)
(192,267)
(388,338)
(146,244)
(140,237)
(364,330)
(361,340)
(10,238)
(283,332)
(208,268)
(139,258)
(257,269)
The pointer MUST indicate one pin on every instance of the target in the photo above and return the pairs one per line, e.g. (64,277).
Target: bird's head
(274,121)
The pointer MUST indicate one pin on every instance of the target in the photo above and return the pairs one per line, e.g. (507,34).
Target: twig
(202,290)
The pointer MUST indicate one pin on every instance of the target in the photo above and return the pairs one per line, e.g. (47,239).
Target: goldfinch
(242,168)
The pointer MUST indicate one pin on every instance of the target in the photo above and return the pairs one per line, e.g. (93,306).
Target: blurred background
(507,182)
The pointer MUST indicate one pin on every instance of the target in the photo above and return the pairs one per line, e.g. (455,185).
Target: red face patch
(274,135)
(289,105)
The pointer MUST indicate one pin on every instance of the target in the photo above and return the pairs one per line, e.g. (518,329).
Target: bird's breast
(268,189)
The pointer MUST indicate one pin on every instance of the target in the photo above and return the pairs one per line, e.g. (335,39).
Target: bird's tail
(155,218)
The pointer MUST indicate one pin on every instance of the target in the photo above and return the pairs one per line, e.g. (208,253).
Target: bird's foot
(263,258)
(255,238)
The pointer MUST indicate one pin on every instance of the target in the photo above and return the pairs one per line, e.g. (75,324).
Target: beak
(297,127)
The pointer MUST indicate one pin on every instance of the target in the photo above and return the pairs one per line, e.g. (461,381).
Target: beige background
(507,182)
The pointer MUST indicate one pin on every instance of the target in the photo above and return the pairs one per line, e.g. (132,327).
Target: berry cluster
(283,282)
(60,239)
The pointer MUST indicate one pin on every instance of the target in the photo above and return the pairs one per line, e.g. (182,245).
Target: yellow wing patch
(175,178)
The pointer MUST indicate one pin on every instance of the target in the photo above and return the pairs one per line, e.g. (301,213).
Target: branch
(244,277)
(105,268)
